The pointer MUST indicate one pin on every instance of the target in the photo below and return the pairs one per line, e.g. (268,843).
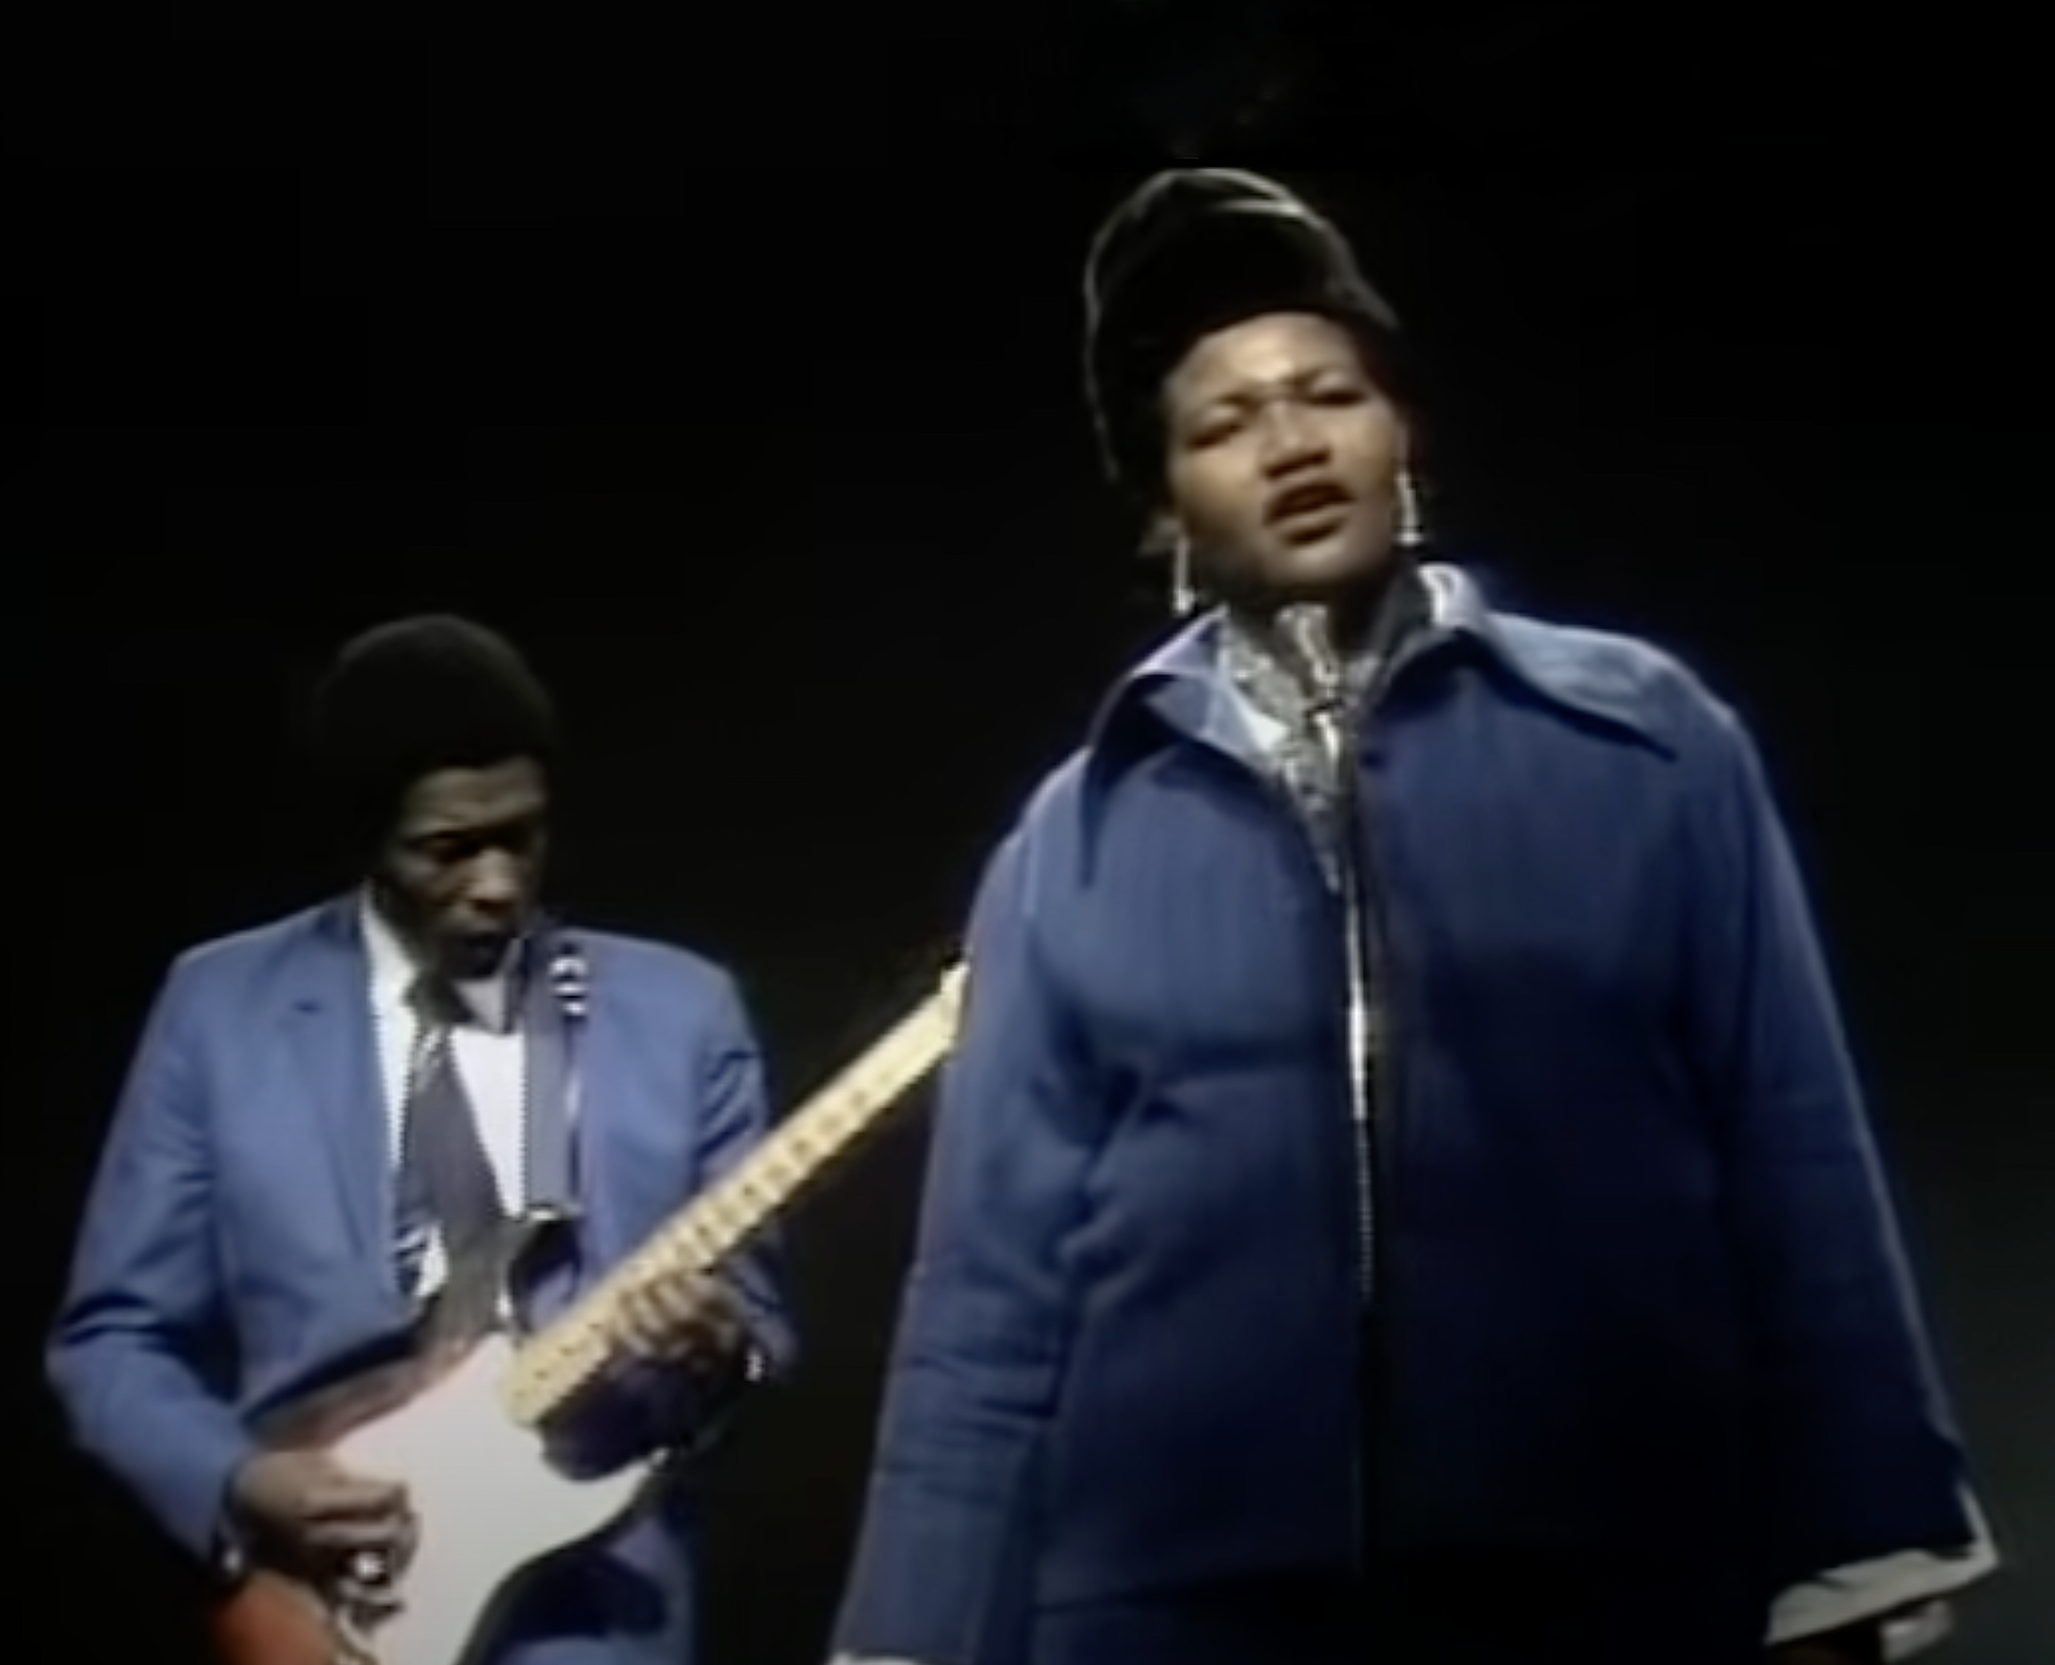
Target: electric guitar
(455,1419)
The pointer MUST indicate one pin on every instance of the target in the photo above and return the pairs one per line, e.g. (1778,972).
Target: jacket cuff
(1888,1585)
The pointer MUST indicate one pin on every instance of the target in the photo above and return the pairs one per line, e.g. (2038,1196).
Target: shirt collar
(395,970)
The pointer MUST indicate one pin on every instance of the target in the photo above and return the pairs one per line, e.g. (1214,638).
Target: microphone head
(1307,634)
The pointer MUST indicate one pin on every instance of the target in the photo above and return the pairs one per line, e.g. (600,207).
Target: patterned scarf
(1265,678)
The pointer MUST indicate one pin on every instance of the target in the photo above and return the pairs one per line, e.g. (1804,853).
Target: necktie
(446,1186)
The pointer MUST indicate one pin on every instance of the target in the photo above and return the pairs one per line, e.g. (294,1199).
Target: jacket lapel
(599,1082)
(329,1013)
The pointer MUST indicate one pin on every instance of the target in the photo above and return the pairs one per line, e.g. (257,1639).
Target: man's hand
(686,1318)
(300,1508)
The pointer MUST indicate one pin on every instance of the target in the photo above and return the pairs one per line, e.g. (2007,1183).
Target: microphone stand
(1336,733)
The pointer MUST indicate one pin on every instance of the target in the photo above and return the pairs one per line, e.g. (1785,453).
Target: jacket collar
(1179,691)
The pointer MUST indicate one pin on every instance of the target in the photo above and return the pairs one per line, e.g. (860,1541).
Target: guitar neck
(564,1356)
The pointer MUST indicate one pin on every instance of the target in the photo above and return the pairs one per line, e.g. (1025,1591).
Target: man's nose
(495,883)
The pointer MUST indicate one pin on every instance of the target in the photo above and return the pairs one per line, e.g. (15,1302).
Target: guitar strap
(549,1021)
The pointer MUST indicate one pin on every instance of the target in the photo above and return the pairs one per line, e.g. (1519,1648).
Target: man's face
(1283,460)
(461,869)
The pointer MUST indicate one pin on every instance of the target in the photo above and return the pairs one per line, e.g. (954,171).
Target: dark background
(734,375)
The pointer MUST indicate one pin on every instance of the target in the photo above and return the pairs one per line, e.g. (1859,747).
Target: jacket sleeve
(1863,1460)
(735,1118)
(650,1406)
(984,1319)
(143,1312)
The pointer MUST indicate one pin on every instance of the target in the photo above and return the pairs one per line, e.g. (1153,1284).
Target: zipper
(1367,1015)
(1378,1040)
(1363,992)
(1381,1069)
(1373,1193)
(1369,1035)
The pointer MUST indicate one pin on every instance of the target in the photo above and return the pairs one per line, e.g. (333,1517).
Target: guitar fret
(568,1354)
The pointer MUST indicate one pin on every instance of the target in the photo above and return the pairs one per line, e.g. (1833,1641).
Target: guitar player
(322,1107)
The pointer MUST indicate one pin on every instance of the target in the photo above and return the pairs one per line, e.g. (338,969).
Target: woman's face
(1283,461)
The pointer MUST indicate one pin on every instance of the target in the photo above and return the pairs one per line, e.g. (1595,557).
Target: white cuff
(1872,1589)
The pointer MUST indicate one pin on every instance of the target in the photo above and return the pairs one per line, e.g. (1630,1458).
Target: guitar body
(488,1502)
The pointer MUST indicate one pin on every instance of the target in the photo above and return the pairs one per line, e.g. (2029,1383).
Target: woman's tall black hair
(1192,251)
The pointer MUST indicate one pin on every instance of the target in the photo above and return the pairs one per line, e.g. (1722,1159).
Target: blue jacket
(237,1244)
(1636,1263)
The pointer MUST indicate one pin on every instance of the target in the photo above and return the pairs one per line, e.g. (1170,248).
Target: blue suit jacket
(237,1243)
(1644,1300)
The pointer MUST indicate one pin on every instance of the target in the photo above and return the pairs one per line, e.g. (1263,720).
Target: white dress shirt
(490,1056)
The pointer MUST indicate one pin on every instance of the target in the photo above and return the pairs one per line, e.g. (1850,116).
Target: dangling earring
(1410,531)
(1184,598)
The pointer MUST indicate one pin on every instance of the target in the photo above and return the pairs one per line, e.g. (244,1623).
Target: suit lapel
(601,1079)
(329,1013)
(590,1074)
(551,1040)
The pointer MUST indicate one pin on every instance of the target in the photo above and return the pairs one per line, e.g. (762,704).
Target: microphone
(1307,634)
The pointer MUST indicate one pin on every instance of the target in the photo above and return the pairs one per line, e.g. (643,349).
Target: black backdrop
(780,472)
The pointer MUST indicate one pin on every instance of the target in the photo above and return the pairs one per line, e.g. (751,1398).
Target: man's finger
(676,1317)
(680,1312)
(353,1499)
(370,1599)
(640,1315)
(719,1307)
(680,1294)
(346,1536)
(641,1329)
(670,1307)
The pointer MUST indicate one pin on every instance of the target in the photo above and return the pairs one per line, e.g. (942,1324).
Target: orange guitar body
(270,1621)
